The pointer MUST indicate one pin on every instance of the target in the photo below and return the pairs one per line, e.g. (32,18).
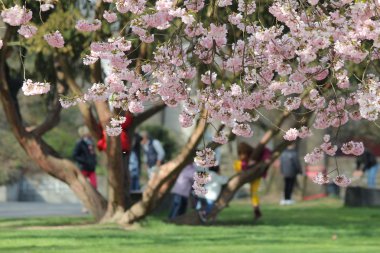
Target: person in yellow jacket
(245,152)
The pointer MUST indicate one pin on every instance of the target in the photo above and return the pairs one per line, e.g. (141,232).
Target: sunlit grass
(311,227)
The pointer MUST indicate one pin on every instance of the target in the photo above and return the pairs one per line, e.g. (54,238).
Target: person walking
(84,155)
(367,163)
(290,167)
(245,153)
(154,153)
(181,191)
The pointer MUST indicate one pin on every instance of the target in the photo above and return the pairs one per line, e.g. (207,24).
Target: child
(214,187)
(245,152)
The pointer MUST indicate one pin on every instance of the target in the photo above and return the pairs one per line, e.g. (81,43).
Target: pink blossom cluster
(201,178)
(321,178)
(113,130)
(314,157)
(110,16)
(67,102)
(220,137)
(34,88)
(16,15)
(293,133)
(205,158)
(353,148)
(88,26)
(340,180)
(27,31)
(327,147)
(55,39)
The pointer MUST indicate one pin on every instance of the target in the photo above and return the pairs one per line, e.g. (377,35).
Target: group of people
(182,190)
(85,156)
(290,166)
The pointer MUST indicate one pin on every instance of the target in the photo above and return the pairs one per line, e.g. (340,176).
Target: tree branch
(140,118)
(52,119)
(85,109)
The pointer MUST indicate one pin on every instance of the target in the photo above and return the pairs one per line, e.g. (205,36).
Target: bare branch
(52,119)
(140,118)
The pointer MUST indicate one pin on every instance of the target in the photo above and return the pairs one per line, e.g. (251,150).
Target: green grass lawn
(310,227)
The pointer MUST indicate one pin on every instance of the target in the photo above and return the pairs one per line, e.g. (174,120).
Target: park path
(38,209)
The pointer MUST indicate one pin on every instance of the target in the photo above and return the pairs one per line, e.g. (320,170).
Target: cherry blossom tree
(224,63)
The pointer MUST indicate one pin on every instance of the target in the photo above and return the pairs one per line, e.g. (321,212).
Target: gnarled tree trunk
(42,153)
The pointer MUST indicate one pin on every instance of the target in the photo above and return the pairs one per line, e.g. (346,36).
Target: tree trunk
(158,185)
(41,153)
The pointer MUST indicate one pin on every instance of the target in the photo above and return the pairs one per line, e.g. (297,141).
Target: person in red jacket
(125,142)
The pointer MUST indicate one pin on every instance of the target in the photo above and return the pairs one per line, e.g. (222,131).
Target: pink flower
(1,44)
(27,31)
(34,88)
(98,92)
(205,158)
(291,134)
(321,178)
(16,15)
(110,16)
(55,39)
(329,149)
(117,121)
(220,137)
(186,120)
(207,78)
(236,90)
(88,60)
(135,106)
(242,130)
(68,102)
(194,5)
(199,190)
(113,131)
(342,181)
(313,2)
(304,132)
(292,103)
(87,26)
(315,156)
(201,178)
(46,7)
(224,3)
(354,148)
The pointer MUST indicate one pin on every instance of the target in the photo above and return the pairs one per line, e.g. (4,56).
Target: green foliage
(167,140)
(312,227)
(62,141)
(13,158)
(64,21)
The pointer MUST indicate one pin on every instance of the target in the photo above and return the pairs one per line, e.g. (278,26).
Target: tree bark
(41,153)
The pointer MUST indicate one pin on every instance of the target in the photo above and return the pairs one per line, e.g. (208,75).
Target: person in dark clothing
(290,167)
(84,155)
(367,163)
(154,153)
